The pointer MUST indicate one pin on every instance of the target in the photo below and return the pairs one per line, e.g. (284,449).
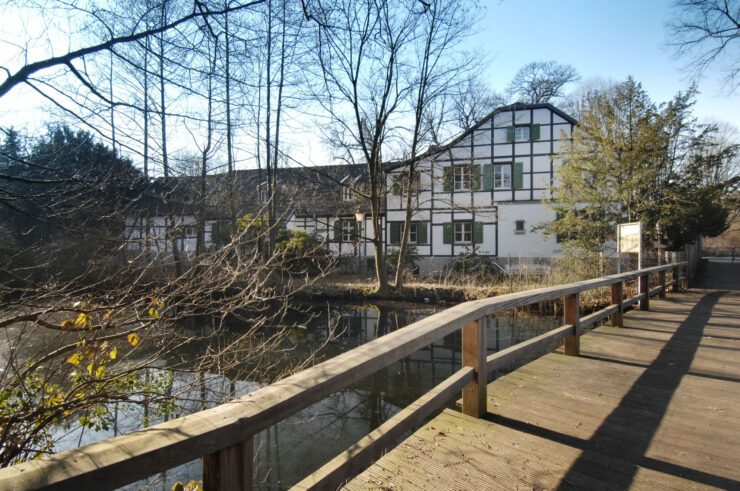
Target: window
(521,133)
(462,177)
(346,193)
(463,232)
(524,132)
(519,227)
(502,176)
(263,194)
(413,233)
(417,233)
(189,232)
(348,231)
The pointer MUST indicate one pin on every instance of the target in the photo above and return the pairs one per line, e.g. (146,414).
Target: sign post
(629,240)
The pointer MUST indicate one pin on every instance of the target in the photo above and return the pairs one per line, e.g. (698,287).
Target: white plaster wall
(531,243)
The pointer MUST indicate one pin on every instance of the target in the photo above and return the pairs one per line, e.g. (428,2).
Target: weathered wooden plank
(230,469)
(474,355)
(595,317)
(662,283)
(369,448)
(644,286)
(617,293)
(572,316)
(504,357)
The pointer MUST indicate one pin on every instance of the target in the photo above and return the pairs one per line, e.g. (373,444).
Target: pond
(292,449)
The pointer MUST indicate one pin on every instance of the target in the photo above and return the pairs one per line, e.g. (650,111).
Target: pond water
(292,449)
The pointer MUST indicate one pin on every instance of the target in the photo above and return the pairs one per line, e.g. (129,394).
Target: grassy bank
(454,289)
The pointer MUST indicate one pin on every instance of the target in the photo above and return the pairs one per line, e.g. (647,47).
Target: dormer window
(263,195)
(347,194)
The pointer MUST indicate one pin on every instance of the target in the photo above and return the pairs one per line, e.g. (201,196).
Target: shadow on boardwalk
(653,405)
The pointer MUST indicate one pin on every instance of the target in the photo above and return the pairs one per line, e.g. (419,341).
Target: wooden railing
(223,435)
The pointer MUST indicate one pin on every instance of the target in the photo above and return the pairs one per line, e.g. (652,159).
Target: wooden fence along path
(652,405)
(644,403)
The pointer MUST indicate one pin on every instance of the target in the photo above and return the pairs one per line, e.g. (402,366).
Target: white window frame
(522,133)
(462,232)
(500,178)
(347,194)
(348,230)
(413,233)
(462,177)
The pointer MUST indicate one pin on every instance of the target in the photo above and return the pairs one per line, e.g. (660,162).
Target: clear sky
(601,39)
(605,39)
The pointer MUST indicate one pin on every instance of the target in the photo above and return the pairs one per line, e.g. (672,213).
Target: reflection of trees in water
(295,447)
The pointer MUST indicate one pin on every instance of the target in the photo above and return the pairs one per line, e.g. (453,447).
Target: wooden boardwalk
(652,405)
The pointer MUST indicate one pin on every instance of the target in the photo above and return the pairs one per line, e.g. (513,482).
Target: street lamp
(360,218)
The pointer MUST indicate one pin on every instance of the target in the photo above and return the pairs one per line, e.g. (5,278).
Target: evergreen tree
(629,160)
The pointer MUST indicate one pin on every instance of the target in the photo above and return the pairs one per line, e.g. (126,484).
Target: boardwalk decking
(652,405)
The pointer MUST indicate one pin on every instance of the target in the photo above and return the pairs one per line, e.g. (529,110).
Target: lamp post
(360,218)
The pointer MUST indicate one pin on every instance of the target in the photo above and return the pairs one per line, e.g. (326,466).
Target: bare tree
(359,49)
(708,33)
(437,72)
(473,100)
(541,81)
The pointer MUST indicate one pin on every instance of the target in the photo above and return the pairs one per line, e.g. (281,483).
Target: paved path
(653,405)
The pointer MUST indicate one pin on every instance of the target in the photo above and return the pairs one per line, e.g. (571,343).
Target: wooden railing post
(676,280)
(617,297)
(661,280)
(645,289)
(571,315)
(230,469)
(474,355)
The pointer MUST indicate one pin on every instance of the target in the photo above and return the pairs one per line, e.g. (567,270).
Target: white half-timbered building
(483,193)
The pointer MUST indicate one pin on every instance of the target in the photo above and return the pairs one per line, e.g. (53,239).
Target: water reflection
(292,449)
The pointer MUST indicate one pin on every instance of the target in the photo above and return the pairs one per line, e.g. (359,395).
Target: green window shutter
(421,232)
(338,231)
(477,233)
(534,132)
(448,183)
(396,187)
(417,182)
(487,176)
(518,177)
(475,175)
(356,231)
(510,134)
(395,233)
(447,233)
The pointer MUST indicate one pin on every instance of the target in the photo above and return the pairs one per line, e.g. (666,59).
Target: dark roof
(306,191)
(434,150)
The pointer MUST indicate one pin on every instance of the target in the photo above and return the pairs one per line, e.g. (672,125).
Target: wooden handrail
(223,429)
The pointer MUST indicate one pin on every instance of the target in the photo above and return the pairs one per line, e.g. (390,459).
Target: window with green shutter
(421,233)
(338,231)
(448,179)
(447,233)
(475,180)
(477,233)
(510,134)
(518,181)
(395,233)
(356,231)
(487,176)
(535,132)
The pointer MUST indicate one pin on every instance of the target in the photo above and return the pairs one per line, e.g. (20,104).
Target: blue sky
(605,39)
